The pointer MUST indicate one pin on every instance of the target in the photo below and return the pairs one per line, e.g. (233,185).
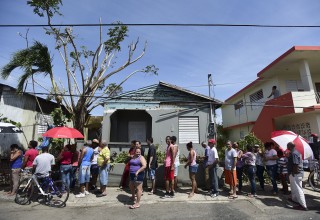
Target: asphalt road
(238,209)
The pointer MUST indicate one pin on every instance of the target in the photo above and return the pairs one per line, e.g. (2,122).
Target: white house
(24,109)
(296,74)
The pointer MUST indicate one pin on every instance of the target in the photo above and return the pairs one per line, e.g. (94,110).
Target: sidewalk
(117,197)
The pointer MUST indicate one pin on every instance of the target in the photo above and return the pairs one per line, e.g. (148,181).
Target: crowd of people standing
(93,162)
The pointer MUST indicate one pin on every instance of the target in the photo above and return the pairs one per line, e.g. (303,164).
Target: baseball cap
(256,145)
(314,135)
(213,141)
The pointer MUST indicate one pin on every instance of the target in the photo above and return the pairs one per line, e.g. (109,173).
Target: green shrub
(161,156)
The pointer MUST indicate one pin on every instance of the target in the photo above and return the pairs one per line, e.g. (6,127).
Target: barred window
(43,122)
(239,108)
(256,99)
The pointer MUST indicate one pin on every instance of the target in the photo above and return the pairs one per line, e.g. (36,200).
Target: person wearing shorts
(176,157)
(104,166)
(84,169)
(193,168)
(230,169)
(152,164)
(169,169)
(137,166)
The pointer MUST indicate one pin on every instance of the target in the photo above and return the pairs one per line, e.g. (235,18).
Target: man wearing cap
(295,171)
(212,164)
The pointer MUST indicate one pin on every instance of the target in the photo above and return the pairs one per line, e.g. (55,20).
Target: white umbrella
(282,138)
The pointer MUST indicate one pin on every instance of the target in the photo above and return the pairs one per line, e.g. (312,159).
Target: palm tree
(33,60)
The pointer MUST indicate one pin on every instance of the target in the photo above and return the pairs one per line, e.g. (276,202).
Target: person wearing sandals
(193,168)
(250,161)
(103,162)
(239,166)
(137,166)
(230,169)
(15,164)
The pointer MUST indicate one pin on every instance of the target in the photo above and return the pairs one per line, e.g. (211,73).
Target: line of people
(284,165)
(94,161)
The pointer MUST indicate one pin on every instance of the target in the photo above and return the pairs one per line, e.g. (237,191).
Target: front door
(137,130)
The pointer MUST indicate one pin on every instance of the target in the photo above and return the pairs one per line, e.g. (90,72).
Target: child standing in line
(283,171)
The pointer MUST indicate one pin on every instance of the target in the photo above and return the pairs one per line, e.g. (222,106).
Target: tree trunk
(80,116)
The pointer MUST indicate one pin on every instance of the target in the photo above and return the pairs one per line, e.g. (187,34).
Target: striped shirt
(283,165)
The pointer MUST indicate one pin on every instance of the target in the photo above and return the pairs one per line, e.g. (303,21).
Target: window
(43,122)
(256,99)
(242,134)
(189,130)
(239,108)
(294,85)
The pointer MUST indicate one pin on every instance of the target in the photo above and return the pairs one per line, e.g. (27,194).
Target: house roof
(285,63)
(189,91)
(39,98)
(130,94)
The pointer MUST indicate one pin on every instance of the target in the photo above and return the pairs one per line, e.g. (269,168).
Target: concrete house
(296,74)
(24,109)
(157,111)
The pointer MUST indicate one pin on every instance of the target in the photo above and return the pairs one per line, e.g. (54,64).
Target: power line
(161,24)
(124,99)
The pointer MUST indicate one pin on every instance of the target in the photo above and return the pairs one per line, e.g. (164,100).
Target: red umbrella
(282,138)
(63,132)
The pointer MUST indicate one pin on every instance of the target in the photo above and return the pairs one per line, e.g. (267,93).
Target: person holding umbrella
(295,171)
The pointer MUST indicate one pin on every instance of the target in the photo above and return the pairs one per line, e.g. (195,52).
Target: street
(235,209)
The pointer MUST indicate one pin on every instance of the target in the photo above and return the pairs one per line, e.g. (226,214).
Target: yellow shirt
(104,153)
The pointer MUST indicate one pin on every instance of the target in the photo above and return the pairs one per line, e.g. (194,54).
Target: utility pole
(209,85)
(212,124)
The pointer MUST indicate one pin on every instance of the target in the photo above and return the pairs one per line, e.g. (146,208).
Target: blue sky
(184,55)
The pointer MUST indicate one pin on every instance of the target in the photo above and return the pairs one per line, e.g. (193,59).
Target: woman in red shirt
(65,158)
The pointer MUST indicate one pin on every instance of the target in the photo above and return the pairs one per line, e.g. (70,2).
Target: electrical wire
(161,24)
(130,99)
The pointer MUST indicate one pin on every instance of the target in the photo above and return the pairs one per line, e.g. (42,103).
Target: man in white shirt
(271,164)
(43,162)
(213,160)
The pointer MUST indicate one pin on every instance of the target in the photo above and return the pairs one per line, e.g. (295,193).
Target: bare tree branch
(77,57)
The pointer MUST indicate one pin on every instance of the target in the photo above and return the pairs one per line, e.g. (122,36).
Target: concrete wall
(20,111)
(303,124)
(303,99)
(165,123)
